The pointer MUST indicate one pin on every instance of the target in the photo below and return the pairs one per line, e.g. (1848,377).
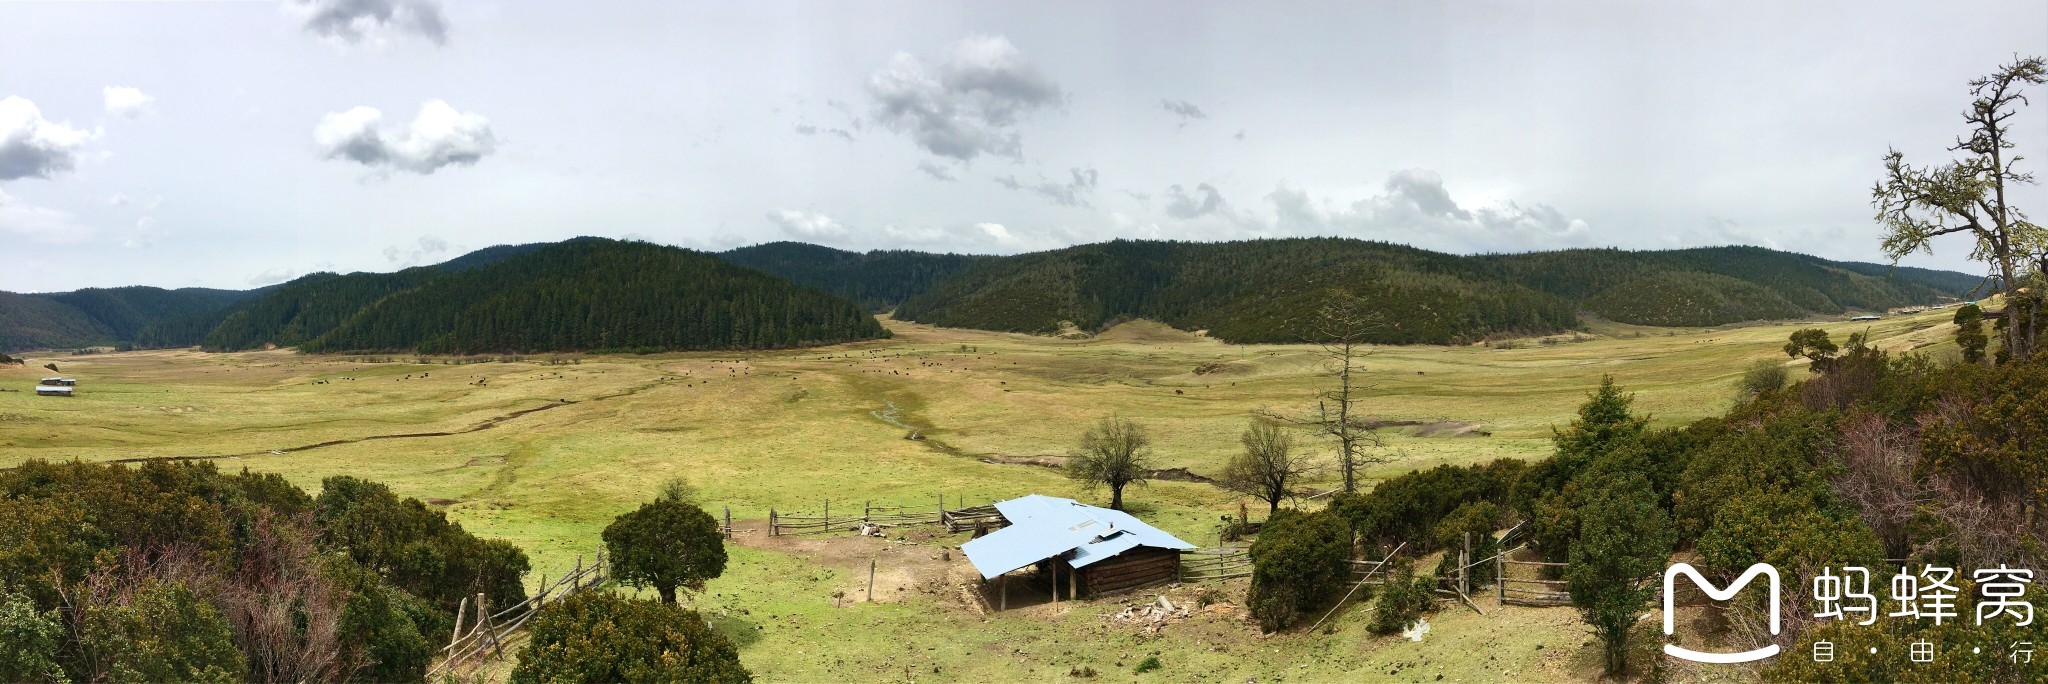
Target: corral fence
(487,631)
(1218,563)
(872,516)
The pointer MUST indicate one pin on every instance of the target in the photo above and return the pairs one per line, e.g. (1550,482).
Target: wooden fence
(487,634)
(1220,563)
(885,516)
(1527,592)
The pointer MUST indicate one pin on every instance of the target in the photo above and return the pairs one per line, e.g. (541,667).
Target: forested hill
(603,295)
(1264,290)
(1717,285)
(1256,291)
(96,316)
(876,280)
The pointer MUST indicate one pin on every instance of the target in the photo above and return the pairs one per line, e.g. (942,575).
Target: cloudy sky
(235,144)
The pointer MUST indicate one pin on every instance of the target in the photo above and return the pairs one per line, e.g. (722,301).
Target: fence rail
(868,514)
(486,636)
(1217,563)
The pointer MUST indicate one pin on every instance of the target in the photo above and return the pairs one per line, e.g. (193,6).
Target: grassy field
(545,455)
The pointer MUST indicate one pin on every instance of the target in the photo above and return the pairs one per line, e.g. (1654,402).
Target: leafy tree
(601,636)
(1624,540)
(160,632)
(382,627)
(1812,343)
(1970,335)
(1115,453)
(1968,195)
(1604,424)
(29,641)
(1268,468)
(664,545)
(1298,563)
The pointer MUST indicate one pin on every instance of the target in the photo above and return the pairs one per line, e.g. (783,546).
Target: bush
(664,545)
(1478,519)
(1298,563)
(1762,377)
(28,641)
(1149,664)
(417,548)
(600,636)
(1402,600)
(159,632)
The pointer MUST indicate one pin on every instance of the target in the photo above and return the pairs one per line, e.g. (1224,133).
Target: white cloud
(439,136)
(127,101)
(357,21)
(146,233)
(1187,111)
(1072,193)
(805,225)
(429,251)
(272,277)
(934,170)
(1415,208)
(970,105)
(41,225)
(34,147)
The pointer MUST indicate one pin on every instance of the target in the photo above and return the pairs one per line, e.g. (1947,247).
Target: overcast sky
(236,144)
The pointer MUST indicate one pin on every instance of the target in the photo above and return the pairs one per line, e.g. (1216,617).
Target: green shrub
(1762,377)
(28,641)
(1149,664)
(1624,538)
(600,636)
(160,632)
(1298,563)
(1478,519)
(1402,600)
(416,548)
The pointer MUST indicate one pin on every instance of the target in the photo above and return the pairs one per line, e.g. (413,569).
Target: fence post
(773,529)
(828,515)
(728,522)
(871,580)
(867,510)
(1465,567)
(1500,576)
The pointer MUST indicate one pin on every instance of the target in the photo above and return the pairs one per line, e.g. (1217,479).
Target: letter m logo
(1719,594)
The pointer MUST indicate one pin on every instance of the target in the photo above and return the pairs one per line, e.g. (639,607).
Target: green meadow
(546,454)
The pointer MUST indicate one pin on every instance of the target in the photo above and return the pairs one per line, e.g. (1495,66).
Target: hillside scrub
(175,571)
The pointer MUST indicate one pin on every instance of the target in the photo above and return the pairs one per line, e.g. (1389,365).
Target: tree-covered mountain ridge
(1243,291)
(1263,291)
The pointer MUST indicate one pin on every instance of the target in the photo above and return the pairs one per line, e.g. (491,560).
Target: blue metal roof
(1042,527)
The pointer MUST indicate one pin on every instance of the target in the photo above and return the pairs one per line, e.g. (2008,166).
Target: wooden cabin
(1085,549)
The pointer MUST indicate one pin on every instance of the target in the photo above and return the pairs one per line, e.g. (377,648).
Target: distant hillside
(596,294)
(1709,286)
(1262,290)
(1256,291)
(292,313)
(1961,285)
(97,316)
(877,280)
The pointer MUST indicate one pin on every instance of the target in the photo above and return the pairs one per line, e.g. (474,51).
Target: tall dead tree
(1968,195)
(1343,327)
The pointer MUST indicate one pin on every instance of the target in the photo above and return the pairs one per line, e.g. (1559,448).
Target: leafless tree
(1115,453)
(1968,195)
(1268,469)
(1343,326)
